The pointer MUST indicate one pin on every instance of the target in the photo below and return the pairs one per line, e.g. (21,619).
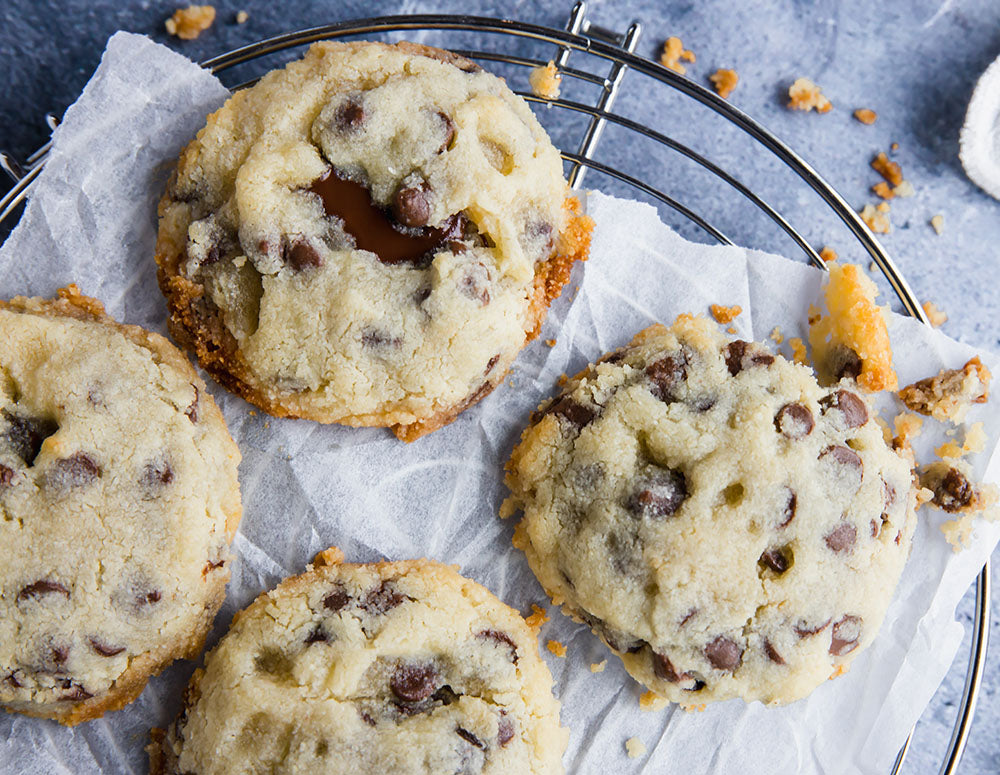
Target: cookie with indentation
(368,237)
(401,667)
(727,526)
(118,499)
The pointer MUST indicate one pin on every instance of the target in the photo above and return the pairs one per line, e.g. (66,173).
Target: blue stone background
(912,61)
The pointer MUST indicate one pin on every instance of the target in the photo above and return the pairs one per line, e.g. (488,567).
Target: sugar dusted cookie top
(727,526)
(118,498)
(368,236)
(402,667)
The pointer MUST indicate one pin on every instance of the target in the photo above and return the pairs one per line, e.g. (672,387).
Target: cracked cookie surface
(723,523)
(368,236)
(118,499)
(402,667)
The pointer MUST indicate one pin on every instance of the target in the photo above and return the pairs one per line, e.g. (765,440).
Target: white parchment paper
(91,220)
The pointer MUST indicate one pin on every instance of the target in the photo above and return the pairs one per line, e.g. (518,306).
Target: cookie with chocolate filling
(368,236)
(401,667)
(118,499)
(727,526)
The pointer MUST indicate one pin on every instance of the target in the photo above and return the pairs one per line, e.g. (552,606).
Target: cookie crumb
(877,221)
(725,315)
(798,351)
(673,53)
(724,81)
(693,708)
(538,618)
(908,426)
(882,207)
(651,701)
(635,748)
(563,379)
(894,147)
(938,317)
(904,189)
(805,95)
(973,443)
(882,189)
(188,23)
(331,556)
(954,491)
(872,267)
(776,336)
(598,667)
(937,223)
(950,393)
(550,342)
(556,648)
(838,671)
(828,254)
(888,169)
(866,116)
(545,81)
(241,17)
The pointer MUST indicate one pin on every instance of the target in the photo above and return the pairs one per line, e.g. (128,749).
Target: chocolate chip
(501,639)
(6,476)
(299,253)
(211,565)
(875,528)
(366,718)
(853,409)
(337,599)
(842,538)
(724,654)
(779,560)
(192,410)
(77,470)
(846,459)
(742,355)
(52,658)
(660,495)
(772,653)
(888,494)
(317,636)
(505,729)
(664,669)
(449,131)
(788,513)
(104,649)
(794,420)
(411,205)
(666,374)
(76,693)
(376,338)
(575,414)
(844,362)
(953,492)
(804,630)
(156,475)
(26,434)
(845,636)
(41,588)
(412,682)
(687,617)
(474,283)
(12,680)
(350,115)
(383,598)
(466,735)
(147,598)
(491,363)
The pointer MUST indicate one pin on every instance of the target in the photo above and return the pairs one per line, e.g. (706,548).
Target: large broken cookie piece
(727,526)
(118,499)
(949,394)
(401,667)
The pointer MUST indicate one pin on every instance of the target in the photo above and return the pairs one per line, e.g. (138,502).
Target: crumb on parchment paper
(876,219)
(798,351)
(776,336)
(635,748)
(551,342)
(557,648)
(887,168)
(724,81)
(725,315)
(545,81)
(538,618)
(188,23)
(937,223)
(649,701)
(598,667)
(803,94)
(935,314)
(241,17)
(973,443)
(866,116)
(673,53)
(949,394)
(954,491)
(828,254)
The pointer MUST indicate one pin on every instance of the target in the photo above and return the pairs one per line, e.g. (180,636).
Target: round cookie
(728,527)
(368,236)
(401,667)
(118,499)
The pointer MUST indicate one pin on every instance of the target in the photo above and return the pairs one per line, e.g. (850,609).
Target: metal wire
(617,50)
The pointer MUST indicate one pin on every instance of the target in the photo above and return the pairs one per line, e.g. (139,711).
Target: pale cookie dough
(393,667)
(368,236)
(118,499)
(728,527)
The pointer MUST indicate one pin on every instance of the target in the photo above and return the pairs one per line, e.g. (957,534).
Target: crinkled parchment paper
(91,220)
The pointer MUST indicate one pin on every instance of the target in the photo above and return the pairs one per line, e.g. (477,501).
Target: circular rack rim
(618,50)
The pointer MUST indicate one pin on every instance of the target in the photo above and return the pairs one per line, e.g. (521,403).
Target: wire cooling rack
(641,162)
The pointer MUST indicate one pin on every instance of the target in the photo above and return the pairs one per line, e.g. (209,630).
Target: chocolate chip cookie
(118,499)
(368,237)
(401,667)
(728,527)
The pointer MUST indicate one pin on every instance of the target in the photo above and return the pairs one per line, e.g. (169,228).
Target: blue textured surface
(912,61)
